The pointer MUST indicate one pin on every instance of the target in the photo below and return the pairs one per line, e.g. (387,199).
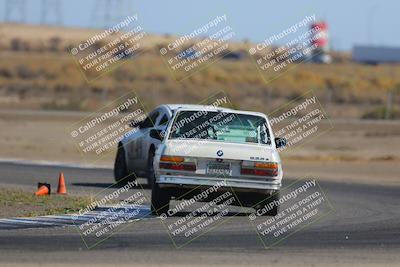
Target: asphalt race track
(364,229)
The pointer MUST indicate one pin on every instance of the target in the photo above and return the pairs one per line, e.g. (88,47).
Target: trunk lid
(219,150)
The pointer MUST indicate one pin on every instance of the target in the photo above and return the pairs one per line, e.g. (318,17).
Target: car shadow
(109,185)
(229,214)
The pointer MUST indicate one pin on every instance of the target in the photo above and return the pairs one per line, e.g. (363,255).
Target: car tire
(160,197)
(150,167)
(159,200)
(121,174)
(274,211)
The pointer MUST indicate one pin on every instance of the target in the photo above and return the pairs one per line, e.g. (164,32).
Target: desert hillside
(37,71)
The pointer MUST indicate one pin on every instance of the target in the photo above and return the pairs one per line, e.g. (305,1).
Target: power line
(16,8)
(51,12)
(107,13)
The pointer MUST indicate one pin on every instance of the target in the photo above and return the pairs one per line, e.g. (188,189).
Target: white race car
(136,151)
(183,149)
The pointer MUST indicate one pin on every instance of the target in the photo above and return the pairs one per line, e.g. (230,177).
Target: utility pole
(389,100)
(370,18)
(17,7)
(51,12)
(106,13)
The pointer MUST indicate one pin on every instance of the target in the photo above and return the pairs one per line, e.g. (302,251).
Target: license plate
(219,169)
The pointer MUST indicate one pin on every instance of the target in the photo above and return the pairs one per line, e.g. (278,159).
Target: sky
(351,22)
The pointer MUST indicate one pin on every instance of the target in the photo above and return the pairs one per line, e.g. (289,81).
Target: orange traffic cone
(62,189)
(43,189)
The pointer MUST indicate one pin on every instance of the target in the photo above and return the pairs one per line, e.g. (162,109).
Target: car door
(160,123)
(138,148)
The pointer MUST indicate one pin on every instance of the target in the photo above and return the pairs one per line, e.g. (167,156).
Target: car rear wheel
(159,200)
(160,197)
(274,209)
(150,168)
(121,173)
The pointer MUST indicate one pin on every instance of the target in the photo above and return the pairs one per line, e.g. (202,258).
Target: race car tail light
(177,163)
(259,168)
(175,159)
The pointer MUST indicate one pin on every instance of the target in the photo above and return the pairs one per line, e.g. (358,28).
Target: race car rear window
(220,126)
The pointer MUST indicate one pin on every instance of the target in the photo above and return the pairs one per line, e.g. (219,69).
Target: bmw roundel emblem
(220,153)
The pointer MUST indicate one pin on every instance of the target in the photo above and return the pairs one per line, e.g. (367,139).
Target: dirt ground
(352,151)
(19,203)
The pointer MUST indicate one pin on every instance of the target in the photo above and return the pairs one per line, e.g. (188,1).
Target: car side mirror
(280,142)
(157,134)
(135,124)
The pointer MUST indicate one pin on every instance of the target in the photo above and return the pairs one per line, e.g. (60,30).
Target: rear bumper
(243,185)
